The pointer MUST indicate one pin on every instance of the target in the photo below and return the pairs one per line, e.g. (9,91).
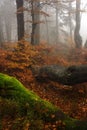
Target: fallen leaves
(20,62)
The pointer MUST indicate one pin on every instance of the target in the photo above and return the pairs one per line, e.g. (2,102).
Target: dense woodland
(41,46)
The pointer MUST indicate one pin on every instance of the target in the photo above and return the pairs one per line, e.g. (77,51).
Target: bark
(85,45)
(20,19)
(70,75)
(47,27)
(1,33)
(57,23)
(35,35)
(8,27)
(47,30)
(77,37)
(70,20)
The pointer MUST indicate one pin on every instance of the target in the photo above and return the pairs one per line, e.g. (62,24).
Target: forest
(43,65)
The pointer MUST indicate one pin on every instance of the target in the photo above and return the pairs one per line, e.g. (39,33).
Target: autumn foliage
(20,60)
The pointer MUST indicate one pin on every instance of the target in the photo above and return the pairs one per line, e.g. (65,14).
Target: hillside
(20,62)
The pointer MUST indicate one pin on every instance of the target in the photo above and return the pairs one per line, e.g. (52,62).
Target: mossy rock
(16,99)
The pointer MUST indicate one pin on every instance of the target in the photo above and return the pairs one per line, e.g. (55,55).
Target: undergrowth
(19,63)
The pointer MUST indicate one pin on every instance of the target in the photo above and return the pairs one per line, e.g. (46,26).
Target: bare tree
(20,19)
(1,33)
(77,37)
(47,28)
(57,23)
(70,19)
(35,35)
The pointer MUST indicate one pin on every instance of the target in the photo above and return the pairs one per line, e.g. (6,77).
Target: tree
(47,28)
(70,20)
(77,37)
(85,45)
(35,10)
(20,19)
(8,19)
(7,9)
(57,23)
(1,34)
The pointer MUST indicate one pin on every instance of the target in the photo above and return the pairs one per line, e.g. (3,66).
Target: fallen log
(70,75)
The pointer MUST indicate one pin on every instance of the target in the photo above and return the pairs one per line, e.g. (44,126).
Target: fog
(83,21)
(84,27)
(49,27)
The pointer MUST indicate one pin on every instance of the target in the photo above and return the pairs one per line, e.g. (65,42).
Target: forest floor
(20,61)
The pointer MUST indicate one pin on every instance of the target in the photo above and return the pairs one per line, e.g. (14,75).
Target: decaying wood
(70,75)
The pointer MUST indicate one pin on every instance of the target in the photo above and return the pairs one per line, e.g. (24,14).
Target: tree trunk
(85,45)
(35,35)
(1,33)
(77,37)
(65,75)
(47,27)
(57,23)
(8,27)
(20,19)
(70,20)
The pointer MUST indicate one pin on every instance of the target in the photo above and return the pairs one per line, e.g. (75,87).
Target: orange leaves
(25,57)
(78,56)
(24,54)
(55,126)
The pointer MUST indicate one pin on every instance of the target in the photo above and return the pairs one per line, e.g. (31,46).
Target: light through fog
(83,30)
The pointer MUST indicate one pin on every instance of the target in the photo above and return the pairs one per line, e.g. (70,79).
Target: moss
(12,89)
(18,101)
(73,124)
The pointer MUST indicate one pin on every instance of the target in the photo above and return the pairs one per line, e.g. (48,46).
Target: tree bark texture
(70,20)
(35,35)
(20,19)
(57,22)
(70,75)
(77,37)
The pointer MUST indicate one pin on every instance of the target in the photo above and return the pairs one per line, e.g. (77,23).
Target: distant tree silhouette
(20,19)
(77,37)
(35,10)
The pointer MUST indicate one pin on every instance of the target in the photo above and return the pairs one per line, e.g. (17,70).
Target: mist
(43,65)
(47,22)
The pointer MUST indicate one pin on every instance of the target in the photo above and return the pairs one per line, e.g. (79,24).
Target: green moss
(75,125)
(12,89)
(17,101)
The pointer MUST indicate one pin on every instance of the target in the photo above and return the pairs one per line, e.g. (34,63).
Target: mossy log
(31,105)
(70,75)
